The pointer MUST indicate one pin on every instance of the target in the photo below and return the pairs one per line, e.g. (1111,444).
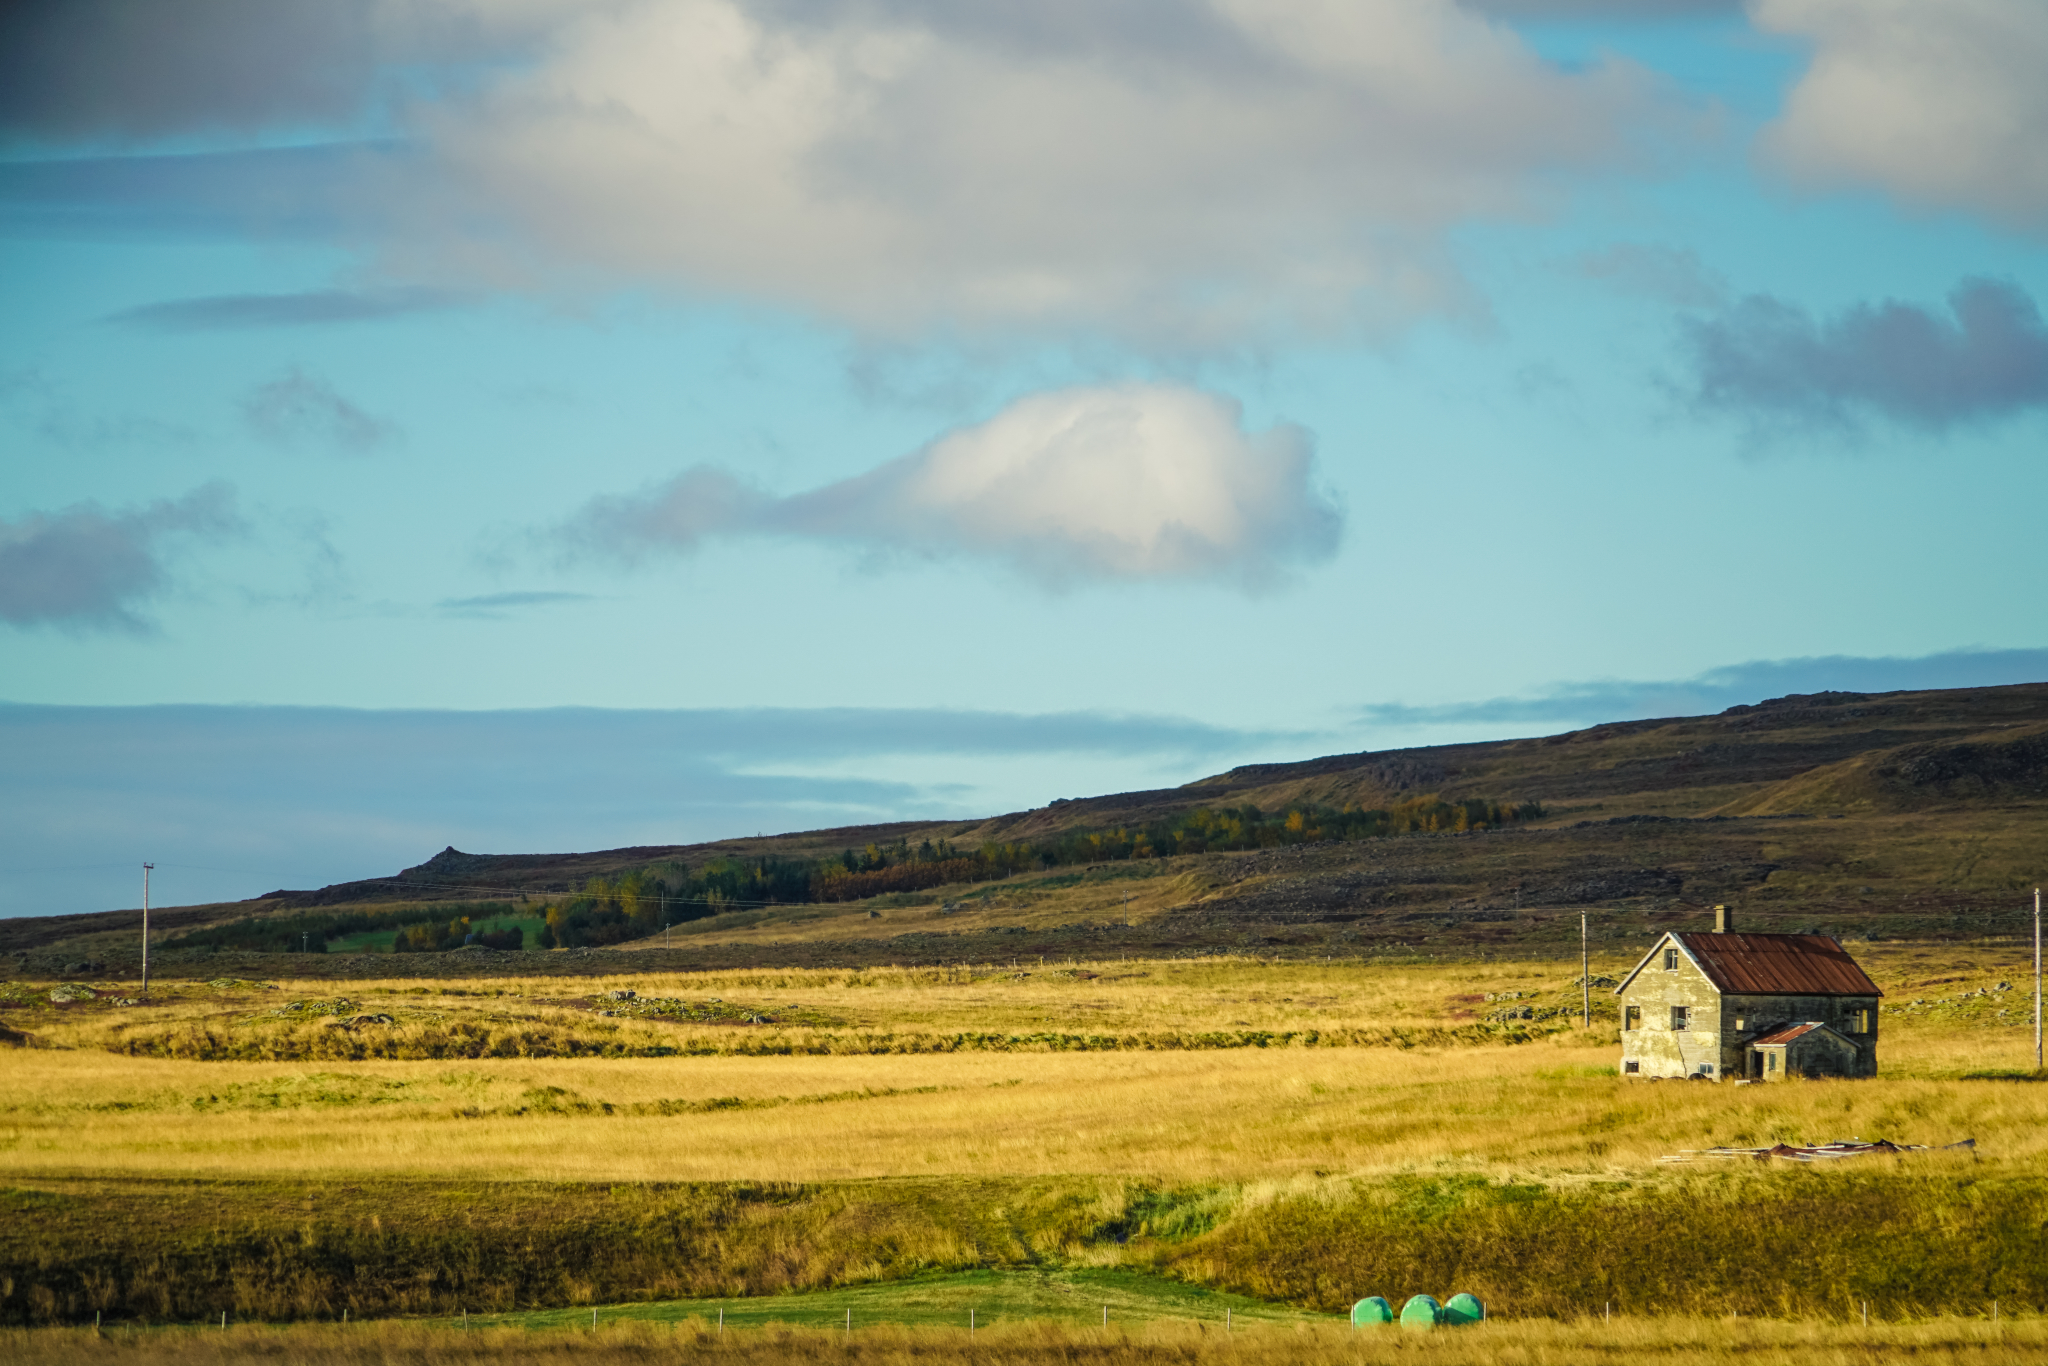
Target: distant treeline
(310,933)
(640,903)
(637,904)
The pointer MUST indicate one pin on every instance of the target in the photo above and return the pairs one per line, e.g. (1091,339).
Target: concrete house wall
(1647,1038)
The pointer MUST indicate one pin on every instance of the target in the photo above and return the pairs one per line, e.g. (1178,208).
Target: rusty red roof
(1788,1033)
(1777,964)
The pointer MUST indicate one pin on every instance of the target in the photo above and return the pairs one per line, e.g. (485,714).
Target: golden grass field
(1541,1110)
(1680,1342)
(966,1084)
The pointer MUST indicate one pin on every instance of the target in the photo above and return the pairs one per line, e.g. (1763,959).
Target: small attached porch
(1808,1049)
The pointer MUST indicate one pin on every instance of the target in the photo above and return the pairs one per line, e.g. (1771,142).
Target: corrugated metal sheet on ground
(1818,1152)
(1777,964)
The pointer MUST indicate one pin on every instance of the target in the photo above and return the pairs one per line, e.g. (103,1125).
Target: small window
(1741,1023)
(1631,1066)
(1706,1069)
(1770,1062)
(1632,1018)
(1860,1022)
(1681,1017)
(1671,960)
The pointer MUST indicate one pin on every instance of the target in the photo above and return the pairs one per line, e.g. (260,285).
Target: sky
(527,425)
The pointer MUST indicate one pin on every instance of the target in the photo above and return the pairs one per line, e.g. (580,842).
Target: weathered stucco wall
(1654,1046)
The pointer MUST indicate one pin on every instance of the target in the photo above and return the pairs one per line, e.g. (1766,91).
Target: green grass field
(1075,1296)
(379,941)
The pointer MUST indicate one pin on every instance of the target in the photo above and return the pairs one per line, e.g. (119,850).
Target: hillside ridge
(1659,814)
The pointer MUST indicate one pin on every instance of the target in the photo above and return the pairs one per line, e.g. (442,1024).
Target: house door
(1755,1069)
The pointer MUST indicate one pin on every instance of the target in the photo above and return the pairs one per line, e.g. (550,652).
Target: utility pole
(145,933)
(1586,971)
(2037,979)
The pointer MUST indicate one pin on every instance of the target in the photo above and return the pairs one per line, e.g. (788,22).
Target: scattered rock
(358,1021)
(122,1001)
(622,994)
(71,991)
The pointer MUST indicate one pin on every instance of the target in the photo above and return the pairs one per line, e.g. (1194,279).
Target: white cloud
(1940,103)
(1182,172)
(1134,481)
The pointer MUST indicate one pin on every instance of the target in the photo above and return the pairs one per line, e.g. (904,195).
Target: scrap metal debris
(1818,1152)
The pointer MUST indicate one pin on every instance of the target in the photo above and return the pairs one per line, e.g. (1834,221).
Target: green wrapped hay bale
(1463,1309)
(1372,1309)
(1421,1311)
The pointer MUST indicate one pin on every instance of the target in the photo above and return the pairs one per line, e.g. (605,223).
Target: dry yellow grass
(1285,1116)
(1679,1342)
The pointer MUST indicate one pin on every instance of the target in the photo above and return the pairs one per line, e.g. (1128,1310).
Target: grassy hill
(1915,814)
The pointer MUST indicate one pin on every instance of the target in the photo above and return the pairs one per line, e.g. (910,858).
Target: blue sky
(883,408)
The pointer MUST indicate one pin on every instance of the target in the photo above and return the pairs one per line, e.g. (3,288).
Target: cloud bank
(1570,704)
(1130,482)
(221,798)
(1181,173)
(1770,361)
(87,567)
(1939,103)
(113,68)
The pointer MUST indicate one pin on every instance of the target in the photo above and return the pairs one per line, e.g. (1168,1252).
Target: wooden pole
(145,934)
(1586,970)
(2037,979)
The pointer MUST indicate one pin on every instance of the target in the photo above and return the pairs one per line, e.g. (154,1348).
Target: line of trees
(440,936)
(311,933)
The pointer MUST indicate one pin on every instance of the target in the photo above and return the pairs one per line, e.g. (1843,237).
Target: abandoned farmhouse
(1756,1007)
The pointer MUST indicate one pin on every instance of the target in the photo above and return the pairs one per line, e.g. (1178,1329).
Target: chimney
(1724,920)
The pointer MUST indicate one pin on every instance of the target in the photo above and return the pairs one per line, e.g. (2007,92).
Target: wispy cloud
(1718,689)
(499,604)
(1672,275)
(300,409)
(86,567)
(1134,481)
(223,312)
(1772,363)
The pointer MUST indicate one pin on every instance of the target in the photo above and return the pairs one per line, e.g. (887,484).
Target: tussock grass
(1678,1342)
